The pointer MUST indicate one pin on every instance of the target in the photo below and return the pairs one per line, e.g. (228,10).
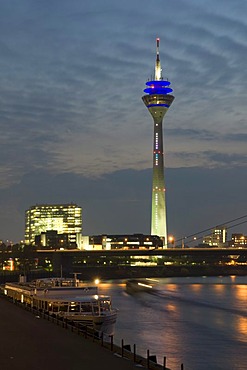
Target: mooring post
(182,366)
(164,364)
(134,353)
(148,358)
(122,347)
(111,342)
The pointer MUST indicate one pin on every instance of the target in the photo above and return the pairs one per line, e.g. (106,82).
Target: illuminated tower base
(158,101)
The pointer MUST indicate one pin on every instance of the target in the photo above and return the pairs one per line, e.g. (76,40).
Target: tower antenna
(158,70)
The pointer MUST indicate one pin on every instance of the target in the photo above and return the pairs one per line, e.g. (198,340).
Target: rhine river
(200,322)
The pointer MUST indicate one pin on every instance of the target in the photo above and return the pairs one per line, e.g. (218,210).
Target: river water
(200,322)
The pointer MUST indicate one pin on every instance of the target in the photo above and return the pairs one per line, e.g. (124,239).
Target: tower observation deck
(158,99)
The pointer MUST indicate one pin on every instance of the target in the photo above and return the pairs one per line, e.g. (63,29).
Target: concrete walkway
(31,343)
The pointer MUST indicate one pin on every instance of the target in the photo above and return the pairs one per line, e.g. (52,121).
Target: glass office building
(62,218)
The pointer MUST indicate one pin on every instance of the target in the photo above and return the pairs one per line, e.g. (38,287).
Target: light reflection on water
(201,322)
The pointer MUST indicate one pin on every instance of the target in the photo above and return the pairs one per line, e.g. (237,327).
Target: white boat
(67,299)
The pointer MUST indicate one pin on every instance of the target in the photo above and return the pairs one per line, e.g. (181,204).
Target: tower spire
(158,69)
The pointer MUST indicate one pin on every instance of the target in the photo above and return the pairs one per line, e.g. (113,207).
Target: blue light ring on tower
(158,83)
(158,105)
(160,90)
(158,87)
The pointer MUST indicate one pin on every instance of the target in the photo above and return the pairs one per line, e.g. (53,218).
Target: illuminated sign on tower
(158,99)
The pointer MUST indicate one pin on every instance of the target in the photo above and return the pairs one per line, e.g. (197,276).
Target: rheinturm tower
(158,99)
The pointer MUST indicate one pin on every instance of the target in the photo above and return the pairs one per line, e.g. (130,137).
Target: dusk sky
(74,127)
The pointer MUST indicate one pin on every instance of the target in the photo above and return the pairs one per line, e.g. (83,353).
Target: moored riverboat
(68,300)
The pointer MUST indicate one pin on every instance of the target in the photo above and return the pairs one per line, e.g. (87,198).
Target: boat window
(95,308)
(74,307)
(63,306)
(105,305)
(86,307)
(55,307)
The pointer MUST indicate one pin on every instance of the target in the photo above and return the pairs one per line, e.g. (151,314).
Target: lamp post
(171,240)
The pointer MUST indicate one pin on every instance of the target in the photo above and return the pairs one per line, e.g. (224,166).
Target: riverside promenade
(32,343)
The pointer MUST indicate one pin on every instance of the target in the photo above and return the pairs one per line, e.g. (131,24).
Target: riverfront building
(238,240)
(158,99)
(44,220)
(217,238)
(123,242)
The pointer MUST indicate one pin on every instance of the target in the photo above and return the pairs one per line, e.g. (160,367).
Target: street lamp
(171,240)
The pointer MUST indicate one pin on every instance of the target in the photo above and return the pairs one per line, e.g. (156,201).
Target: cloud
(210,159)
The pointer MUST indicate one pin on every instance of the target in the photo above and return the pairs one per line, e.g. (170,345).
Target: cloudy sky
(74,127)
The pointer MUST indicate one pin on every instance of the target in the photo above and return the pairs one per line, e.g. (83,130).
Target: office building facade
(217,238)
(62,218)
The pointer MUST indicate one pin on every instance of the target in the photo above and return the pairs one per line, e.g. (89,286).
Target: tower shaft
(158,219)
(158,215)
